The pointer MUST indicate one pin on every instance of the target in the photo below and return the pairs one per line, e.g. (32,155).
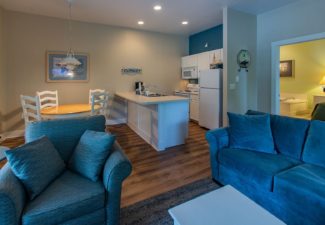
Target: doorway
(292,65)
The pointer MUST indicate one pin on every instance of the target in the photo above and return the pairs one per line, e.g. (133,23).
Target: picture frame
(56,74)
(287,68)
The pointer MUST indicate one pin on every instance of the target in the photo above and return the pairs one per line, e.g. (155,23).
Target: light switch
(232,86)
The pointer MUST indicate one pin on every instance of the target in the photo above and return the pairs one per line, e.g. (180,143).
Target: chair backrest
(64,133)
(99,103)
(319,112)
(91,91)
(31,108)
(48,98)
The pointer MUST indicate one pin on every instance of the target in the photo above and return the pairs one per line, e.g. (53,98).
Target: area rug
(154,211)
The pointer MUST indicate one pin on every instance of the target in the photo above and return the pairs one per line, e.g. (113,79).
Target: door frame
(275,78)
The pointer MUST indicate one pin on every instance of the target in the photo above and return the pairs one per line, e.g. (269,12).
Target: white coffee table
(224,206)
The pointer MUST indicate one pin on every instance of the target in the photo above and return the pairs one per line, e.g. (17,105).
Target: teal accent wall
(212,37)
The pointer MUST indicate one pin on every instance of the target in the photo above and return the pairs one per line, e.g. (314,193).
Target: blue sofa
(70,199)
(282,183)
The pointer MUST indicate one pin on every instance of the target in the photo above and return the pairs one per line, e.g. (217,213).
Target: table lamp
(322,82)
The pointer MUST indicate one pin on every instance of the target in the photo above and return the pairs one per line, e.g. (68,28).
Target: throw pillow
(91,153)
(289,133)
(314,151)
(36,165)
(251,132)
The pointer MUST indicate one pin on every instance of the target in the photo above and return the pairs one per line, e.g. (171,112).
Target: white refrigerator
(210,98)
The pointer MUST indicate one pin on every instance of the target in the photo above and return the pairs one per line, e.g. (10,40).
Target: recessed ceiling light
(157,7)
(140,22)
(184,22)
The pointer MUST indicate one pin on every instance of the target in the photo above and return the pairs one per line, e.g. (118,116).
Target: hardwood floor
(12,143)
(157,172)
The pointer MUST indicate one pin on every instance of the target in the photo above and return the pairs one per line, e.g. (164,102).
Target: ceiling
(201,14)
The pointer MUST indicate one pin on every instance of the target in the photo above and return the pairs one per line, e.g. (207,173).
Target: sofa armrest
(12,197)
(117,168)
(217,140)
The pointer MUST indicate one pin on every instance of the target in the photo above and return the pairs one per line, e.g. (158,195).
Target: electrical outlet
(232,86)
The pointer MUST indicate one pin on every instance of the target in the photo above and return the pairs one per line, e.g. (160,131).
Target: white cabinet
(221,54)
(207,58)
(216,55)
(189,61)
(203,61)
(161,124)
(144,121)
(194,107)
(132,114)
(139,117)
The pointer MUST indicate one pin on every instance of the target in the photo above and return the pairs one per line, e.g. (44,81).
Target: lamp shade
(322,82)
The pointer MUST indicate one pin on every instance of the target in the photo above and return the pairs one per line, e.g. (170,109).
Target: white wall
(297,19)
(110,49)
(240,33)
(2,72)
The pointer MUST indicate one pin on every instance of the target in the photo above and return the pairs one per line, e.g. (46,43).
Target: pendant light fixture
(70,62)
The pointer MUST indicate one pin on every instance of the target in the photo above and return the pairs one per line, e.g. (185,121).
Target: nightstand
(318,99)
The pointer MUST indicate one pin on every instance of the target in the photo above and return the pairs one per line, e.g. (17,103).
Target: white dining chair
(99,103)
(91,91)
(31,108)
(48,99)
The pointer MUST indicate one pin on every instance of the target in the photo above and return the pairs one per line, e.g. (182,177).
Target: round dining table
(67,111)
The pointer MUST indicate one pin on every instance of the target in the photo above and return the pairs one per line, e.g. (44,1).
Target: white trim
(115,121)
(225,69)
(275,70)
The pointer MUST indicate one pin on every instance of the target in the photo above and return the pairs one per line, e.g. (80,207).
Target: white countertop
(143,100)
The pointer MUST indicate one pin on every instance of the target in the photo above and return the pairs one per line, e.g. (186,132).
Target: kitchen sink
(154,95)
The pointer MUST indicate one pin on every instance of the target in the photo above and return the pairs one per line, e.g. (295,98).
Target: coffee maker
(139,88)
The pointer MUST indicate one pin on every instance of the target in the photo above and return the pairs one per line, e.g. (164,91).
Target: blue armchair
(70,199)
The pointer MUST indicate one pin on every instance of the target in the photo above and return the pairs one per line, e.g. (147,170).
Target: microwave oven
(190,73)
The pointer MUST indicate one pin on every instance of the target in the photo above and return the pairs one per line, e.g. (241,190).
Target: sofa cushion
(91,153)
(65,133)
(36,165)
(256,167)
(68,197)
(314,151)
(251,132)
(289,134)
(304,187)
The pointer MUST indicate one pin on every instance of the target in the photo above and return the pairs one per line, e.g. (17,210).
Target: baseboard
(11,134)
(115,121)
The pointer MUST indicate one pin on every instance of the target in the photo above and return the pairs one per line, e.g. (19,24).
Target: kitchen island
(161,121)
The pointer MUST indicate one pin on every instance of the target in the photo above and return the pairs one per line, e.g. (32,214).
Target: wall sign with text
(131,71)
